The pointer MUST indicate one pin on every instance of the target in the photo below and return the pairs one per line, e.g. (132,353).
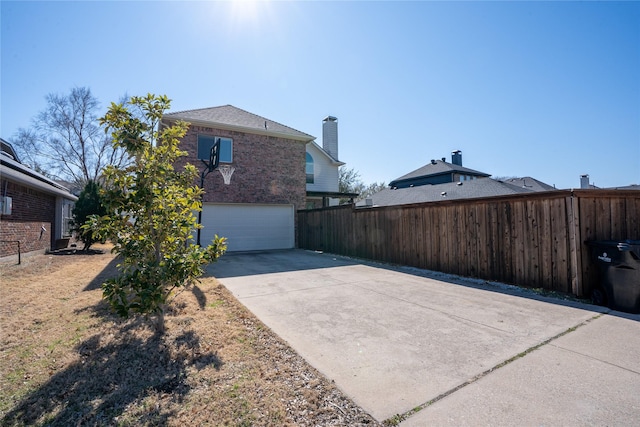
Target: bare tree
(372,189)
(67,142)
(349,182)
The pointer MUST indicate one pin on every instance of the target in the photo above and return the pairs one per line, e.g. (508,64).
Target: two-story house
(273,170)
(438,172)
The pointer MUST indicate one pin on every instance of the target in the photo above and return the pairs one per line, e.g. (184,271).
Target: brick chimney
(456,157)
(330,136)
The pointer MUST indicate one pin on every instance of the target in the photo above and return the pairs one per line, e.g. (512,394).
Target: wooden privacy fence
(534,240)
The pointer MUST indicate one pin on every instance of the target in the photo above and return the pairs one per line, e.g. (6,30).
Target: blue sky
(543,89)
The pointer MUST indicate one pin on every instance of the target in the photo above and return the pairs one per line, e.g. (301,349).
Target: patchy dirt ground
(66,360)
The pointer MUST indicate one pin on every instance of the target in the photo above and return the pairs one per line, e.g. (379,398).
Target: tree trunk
(159,322)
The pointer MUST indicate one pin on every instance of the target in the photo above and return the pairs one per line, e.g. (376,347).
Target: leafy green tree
(151,209)
(89,203)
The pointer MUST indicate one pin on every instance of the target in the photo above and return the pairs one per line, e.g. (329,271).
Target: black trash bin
(619,266)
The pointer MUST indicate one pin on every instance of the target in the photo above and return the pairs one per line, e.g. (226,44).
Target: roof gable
(233,118)
(314,147)
(438,167)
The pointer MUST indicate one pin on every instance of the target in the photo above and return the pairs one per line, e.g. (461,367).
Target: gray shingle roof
(15,171)
(530,183)
(235,118)
(438,167)
(635,187)
(483,187)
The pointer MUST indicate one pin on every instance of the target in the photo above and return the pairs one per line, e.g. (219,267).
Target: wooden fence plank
(434,224)
(435,240)
(463,241)
(588,231)
(632,217)
(546,244)
(471,237)
(483,240)
(561,276)
(495,246)
(507,249)
(603,218)
(520,241)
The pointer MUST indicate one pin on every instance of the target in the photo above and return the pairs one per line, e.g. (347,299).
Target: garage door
(249,227)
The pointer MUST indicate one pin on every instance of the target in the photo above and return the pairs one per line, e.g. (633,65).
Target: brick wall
(32,209)
(268,169)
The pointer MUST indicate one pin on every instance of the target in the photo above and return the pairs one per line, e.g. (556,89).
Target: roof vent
(443,194)
(444,159)
(459,182)
(433,161)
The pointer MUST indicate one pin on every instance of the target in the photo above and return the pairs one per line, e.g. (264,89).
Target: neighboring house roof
(449,191)
(529,183)
(435,168)
(627,187)
(7,150)
(16,171)
(233,118)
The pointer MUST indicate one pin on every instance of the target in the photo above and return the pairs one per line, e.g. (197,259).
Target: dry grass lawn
(65,360)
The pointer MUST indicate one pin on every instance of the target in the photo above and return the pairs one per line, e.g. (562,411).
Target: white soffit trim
(243,129)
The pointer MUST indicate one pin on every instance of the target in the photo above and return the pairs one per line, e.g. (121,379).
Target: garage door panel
(248,226)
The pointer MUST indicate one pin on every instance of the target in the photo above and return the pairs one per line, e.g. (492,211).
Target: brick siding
(269,169)
(32,209)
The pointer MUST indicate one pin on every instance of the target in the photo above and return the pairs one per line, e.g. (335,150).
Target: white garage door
(249,227)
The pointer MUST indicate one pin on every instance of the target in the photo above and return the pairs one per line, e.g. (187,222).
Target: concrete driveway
(426,348)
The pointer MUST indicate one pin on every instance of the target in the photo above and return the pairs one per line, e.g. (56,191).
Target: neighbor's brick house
(25,225)
(35,209)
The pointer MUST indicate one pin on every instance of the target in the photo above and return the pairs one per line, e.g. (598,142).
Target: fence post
(575,244)
(18,242)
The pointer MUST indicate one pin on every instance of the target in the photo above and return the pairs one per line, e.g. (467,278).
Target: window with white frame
(67,217)
(205,142)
